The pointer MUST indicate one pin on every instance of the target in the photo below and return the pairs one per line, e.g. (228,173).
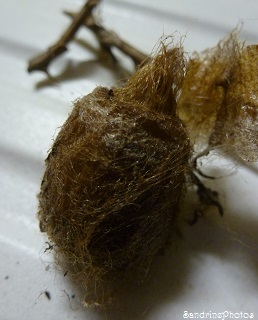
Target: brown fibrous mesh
(115,175)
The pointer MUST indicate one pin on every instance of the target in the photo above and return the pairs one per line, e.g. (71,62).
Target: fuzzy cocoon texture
(111,191)
(237,120)
(219,99)
(203,89)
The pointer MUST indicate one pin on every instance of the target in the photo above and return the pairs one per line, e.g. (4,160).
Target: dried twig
(106,39)
(42,61)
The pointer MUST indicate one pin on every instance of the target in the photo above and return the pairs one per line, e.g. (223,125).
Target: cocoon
(116,172)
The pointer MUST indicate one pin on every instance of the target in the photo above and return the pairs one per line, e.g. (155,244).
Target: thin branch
(108,39)
(42,61)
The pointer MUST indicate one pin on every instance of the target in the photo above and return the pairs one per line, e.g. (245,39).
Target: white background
(213,265)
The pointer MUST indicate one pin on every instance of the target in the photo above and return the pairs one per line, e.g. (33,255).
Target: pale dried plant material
(203,92)
(236,126)
(219,99)
(115,175)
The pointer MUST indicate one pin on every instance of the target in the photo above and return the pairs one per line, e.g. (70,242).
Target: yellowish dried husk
(110,195)
(219,99)
(203,90)
(236,124)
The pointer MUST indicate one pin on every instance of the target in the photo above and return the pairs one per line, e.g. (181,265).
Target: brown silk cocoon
(114,178)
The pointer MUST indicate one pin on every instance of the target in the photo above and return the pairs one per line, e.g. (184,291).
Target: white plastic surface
(213,267)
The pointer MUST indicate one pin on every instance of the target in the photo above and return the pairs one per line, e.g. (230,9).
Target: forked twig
(107,40)
(42,61)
